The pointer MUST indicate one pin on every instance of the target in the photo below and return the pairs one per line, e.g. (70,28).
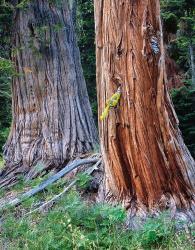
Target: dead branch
(56,197)
(50,180)
(66,189)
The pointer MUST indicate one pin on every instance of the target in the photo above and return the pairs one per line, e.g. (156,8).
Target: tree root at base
(138,213)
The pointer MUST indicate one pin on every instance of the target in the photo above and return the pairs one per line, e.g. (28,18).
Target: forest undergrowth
(75,223)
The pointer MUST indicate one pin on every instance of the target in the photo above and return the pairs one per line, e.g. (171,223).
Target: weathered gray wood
(65,190)
(52,118)
(49,181)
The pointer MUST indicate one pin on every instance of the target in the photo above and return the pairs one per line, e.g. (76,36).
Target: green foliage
(23,4)
(6,11)
(170,22)
(5,100)
(1,163)
(74,224)
(83,180)
(179,18)
(184,102)
(4,132)
(6,70)
(156,234)
(179,7)
(86,41)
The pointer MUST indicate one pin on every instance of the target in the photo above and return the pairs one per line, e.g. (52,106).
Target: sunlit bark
(146,160)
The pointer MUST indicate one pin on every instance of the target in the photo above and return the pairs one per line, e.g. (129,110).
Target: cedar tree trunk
(146,161)
(52,118)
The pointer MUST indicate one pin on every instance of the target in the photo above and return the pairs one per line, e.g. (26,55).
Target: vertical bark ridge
(144,153)
(52,119)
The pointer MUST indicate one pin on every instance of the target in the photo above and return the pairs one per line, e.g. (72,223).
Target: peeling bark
(146,161)
(52,119)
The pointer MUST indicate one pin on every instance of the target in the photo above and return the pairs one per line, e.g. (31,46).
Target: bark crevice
(52,118)
(147,164)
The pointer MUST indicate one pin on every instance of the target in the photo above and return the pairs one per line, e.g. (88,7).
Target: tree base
(11,175)
(138,213)
(180,217)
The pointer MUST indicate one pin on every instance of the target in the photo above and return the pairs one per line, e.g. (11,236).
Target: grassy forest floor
(74,223)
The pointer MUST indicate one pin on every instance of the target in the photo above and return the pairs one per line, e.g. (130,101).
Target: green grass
(1,162)
(74,224)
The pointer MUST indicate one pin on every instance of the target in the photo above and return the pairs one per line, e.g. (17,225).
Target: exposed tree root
(138,213)
(9,177)
(69,168)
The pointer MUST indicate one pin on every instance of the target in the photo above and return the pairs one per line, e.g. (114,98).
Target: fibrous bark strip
(146,160)
(52,119)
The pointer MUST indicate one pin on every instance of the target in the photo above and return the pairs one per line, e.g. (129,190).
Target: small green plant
(74,224)
(23,4)
(83,180)
(1,162)
(155,232)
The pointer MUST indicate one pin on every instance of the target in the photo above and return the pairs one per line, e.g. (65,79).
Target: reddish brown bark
(146,160)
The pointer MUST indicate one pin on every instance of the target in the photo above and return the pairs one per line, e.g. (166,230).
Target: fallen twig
(53,199)
(49,181)
(89,171)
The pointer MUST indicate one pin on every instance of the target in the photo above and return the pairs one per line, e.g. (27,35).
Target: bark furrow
(52,118)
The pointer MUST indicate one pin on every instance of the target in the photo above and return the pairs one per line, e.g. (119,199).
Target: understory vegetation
(184,100)
(74,223)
